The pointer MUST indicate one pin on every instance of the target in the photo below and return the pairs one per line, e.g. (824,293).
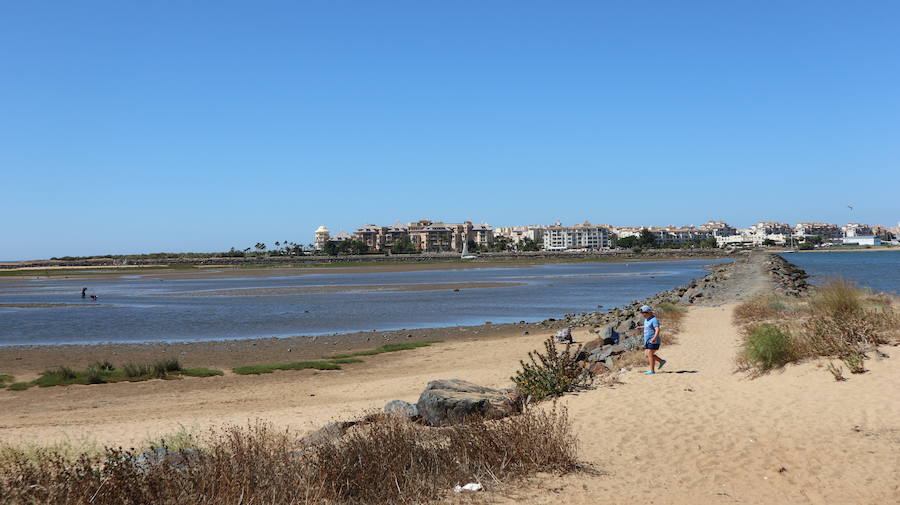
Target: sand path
(700,433)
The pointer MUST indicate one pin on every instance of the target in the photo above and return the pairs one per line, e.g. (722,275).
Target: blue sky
(163,126)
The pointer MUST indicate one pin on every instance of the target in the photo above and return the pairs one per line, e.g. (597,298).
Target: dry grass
(840,320)
(843,320)
(388,461)
(763,308)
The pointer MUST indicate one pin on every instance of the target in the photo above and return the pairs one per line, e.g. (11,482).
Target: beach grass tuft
(105,373)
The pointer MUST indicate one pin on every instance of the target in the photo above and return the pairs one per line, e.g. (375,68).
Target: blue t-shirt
(649,330)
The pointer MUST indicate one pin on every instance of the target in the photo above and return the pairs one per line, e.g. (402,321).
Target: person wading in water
(651,340)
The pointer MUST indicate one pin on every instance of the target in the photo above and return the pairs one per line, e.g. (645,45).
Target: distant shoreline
(335,264)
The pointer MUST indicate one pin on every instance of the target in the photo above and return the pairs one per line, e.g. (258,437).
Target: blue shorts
(652,346)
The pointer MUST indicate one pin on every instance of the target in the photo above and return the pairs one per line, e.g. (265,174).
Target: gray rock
(328,433)
(401,408)
(608,334)
(450,401)
(606,351)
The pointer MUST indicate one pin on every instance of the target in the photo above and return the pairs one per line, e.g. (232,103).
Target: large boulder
(401,408)
(328,433)
(450,401)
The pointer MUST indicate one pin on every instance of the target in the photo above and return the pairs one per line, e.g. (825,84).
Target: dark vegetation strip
(330,362)
(405,346)
(105,373)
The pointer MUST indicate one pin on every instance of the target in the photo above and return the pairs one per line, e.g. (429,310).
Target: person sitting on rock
(651,339)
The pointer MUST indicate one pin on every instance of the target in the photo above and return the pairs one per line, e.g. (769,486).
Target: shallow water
(877,270)
(133,308)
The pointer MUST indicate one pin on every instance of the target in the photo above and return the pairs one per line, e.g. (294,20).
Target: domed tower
(322,237)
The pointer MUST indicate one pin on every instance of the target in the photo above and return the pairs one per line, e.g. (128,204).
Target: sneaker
(649,372)
(661,364)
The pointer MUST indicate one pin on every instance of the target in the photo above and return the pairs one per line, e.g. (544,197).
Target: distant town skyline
(140,127)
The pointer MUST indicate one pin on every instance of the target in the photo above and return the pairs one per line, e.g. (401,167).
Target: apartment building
(825,231)
(719,229)
(426,235)
(516,234)
(580,236)
(857,230)
(667,235)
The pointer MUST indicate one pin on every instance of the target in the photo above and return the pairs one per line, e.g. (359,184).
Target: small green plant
(551,374)
(19,386)
(5,380)
(767,346)
(855,362)
(836,371)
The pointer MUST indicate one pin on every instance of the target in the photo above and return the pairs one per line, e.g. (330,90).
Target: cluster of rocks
(444,402)
(612,326)
(789,279)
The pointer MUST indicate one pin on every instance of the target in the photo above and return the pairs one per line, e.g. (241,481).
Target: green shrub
(5,380)
(767,346)
(133,371)
(163,367)
(551,374)
(855,362)
(19,386)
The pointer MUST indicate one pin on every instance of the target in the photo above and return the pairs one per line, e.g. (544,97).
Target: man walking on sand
(651,340)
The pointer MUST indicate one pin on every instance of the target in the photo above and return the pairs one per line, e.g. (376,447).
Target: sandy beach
(699,432)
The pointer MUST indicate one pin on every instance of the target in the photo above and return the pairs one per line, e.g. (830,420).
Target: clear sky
(131,126)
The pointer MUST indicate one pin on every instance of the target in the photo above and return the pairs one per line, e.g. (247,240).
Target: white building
(580,236)
(322,237)
(862,240)
(667,234)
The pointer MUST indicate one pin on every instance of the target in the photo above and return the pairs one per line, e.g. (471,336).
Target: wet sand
(26,362)
(298,290)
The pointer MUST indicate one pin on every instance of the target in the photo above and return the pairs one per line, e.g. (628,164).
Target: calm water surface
(878,270)
(132,308)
